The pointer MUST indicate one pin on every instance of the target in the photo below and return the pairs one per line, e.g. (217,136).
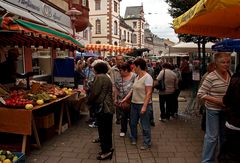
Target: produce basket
(21,157)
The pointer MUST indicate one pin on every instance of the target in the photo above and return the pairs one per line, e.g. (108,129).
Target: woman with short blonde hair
(211,92)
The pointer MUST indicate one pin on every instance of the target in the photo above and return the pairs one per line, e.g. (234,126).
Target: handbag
(126,105)
(161,84)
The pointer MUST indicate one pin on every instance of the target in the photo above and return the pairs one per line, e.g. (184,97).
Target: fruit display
(7,157)
(38,95)
(17,102)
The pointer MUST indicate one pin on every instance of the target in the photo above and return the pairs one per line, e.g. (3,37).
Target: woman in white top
(140,108)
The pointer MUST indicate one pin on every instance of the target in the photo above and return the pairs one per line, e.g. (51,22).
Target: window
(124,35)
(85,34)
(128,37)
(142,39)
(134,24)
(84,2)
(98,26)
(115,6)
(120,34)
(115,28)
(134,39)
(97,4)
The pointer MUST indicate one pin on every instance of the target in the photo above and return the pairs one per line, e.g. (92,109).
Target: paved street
(176,141)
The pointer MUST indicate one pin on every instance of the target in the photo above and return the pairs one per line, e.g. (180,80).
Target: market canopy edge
(216,18)
(28,27)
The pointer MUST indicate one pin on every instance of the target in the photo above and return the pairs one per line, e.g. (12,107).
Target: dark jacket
(232,101)
(102,92)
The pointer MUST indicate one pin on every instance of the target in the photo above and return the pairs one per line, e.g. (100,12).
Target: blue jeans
(144,120)
(215,123)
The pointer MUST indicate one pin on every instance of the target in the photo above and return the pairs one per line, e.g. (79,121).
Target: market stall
(22,112)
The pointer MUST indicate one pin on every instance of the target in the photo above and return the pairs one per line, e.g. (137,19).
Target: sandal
(96,140)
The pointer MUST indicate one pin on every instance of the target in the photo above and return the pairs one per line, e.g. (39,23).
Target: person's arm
(204,95)
(129,95)
(148,96)
(148,89)
(95,91)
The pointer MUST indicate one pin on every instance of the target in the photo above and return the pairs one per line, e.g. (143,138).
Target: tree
(177,8)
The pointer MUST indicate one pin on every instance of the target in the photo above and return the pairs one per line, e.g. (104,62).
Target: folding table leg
(35,132)
(24,143)
(60,121)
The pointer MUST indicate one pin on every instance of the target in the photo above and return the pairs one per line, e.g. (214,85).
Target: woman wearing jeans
(140,109)
(211,92)
(123,86)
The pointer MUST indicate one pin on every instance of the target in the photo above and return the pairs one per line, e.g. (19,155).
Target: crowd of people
(126,87)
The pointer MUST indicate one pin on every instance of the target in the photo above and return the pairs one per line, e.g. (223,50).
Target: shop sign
(40,8)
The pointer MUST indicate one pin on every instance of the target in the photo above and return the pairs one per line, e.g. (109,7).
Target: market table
(22,121)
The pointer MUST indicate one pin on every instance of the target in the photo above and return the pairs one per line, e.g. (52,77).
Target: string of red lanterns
(107,47)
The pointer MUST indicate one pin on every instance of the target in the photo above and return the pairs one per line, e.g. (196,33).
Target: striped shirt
(213,85)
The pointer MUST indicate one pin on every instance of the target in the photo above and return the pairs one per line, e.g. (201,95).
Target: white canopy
(175,55)
(186,47)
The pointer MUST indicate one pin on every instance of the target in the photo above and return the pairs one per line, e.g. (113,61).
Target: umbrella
(228,45)
(216,18)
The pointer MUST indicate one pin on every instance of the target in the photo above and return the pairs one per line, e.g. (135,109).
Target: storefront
(39,31)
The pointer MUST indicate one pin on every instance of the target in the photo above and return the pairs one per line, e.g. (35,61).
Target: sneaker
(144,147)
(133,142)
(162,119)
(122,134)
(93,125)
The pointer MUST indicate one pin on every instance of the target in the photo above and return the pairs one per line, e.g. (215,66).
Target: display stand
(24,123)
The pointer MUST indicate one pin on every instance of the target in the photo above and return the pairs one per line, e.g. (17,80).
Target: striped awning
(32,34)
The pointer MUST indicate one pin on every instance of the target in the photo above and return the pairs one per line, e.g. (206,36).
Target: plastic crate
(21,157)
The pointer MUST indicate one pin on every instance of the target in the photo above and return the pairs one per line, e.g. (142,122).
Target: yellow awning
(216,18)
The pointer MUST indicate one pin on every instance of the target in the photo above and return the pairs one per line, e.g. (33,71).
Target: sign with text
(43,9)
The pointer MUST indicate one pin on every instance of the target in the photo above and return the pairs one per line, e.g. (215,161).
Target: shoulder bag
(161,84)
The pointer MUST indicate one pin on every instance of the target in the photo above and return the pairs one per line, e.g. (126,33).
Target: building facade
(105,18)
(134,17)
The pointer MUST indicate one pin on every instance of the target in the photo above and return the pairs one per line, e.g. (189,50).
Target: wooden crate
(46,121)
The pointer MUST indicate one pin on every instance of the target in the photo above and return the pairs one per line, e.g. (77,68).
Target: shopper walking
(167,96)
(101,93)
(211,92)
(123,86)
(141,103)
(115,76)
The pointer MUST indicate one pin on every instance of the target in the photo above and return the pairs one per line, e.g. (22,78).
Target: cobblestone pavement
(176,141)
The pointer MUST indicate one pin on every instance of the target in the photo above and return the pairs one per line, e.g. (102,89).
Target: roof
(125,25)
(133,12)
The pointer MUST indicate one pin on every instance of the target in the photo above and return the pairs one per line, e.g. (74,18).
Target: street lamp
(73,13)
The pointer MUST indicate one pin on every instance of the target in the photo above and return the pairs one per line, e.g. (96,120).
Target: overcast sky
(156,15)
